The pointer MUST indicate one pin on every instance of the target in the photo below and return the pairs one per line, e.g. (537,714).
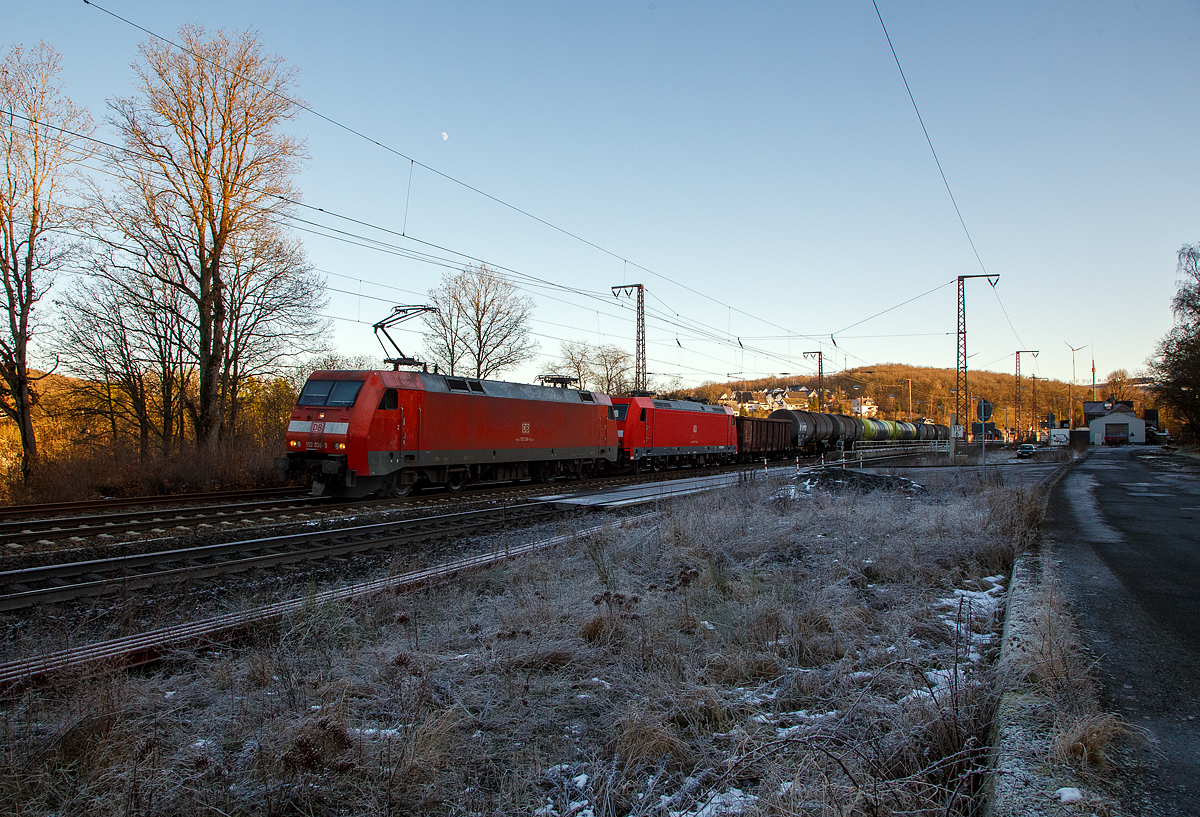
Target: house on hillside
(863,407)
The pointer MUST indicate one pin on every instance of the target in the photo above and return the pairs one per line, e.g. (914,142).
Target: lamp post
(1071,388)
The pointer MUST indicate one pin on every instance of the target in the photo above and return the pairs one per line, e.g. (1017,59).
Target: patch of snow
(375,732)
(1068,794)
(734,801)
(205,744)
(708,625)
(580,781)
(169,695)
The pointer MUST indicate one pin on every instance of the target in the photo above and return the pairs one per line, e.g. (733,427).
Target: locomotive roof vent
(662,404)
(586,396)
(457,385)
(476,386)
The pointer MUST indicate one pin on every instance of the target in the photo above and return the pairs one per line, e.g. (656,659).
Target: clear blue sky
(762,160)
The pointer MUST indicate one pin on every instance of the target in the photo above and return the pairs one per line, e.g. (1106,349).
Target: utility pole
(1017,399)
(962,403)
(639,371)
(820,356)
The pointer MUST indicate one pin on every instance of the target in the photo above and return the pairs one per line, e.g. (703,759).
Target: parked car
(1026,450)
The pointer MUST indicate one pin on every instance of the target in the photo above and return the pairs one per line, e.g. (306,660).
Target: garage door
(1116,433)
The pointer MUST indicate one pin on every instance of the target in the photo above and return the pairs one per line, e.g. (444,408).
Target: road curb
(1022,781)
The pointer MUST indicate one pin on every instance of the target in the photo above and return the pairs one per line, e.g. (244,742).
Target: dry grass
(90,473)
(793,650)
(1052,660)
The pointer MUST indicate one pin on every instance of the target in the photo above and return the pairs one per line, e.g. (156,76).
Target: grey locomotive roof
(501,388)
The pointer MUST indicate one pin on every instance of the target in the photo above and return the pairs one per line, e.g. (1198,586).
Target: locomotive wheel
(397,489)
(456,482)
(656,464)
(546,474)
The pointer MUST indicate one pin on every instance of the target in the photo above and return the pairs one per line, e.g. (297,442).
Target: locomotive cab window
(643,418)
(390,400)
(617,412)
(337,393)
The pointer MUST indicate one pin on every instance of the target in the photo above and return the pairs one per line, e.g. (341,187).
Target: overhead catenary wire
(676,320)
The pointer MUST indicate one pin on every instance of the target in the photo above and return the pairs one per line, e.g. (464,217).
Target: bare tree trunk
(38,146)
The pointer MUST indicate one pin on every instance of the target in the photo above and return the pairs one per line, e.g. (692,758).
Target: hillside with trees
(890,385)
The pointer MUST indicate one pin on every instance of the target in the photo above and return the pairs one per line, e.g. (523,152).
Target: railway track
(113,524)
(144,648)
(49,509)
(68,581)
(118,526)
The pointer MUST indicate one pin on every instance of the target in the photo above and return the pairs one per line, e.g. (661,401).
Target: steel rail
(33,530)
(52,508)
(143,648)
(232,557)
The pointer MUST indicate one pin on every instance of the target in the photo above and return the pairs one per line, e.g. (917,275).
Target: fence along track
(144,648)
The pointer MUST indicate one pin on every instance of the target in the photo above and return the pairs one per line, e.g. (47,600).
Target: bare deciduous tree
(1176,366)
(612,369)
(605,368)
(40,148)
(575,360)
(273,301)
(207,161)
(481,327)
(1118,385)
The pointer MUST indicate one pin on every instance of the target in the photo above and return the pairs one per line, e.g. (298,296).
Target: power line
(472,188)
(928,141)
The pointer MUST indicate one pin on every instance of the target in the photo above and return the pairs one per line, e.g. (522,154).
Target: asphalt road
(1124,530)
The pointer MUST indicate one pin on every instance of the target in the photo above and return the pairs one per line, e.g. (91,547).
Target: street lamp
(1071,388)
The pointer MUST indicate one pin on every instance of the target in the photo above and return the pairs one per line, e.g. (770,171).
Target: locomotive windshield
(619,411)
(337,393)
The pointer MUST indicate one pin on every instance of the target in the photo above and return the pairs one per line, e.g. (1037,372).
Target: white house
(1117,428)
(863,407)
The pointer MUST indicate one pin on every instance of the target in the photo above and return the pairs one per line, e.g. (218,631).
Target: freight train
(389,432)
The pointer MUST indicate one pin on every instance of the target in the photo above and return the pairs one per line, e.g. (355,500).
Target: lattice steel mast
(962,400)
(639,371)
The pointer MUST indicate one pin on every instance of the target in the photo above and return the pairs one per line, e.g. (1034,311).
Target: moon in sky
(444,136)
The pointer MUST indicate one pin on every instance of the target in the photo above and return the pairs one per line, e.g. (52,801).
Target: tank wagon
(361,432)
(813,432)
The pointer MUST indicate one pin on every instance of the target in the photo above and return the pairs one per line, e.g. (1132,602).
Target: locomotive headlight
(340,446)
(293,443)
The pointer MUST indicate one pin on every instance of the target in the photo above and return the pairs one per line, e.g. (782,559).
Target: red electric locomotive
(660,433)
(387,431)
